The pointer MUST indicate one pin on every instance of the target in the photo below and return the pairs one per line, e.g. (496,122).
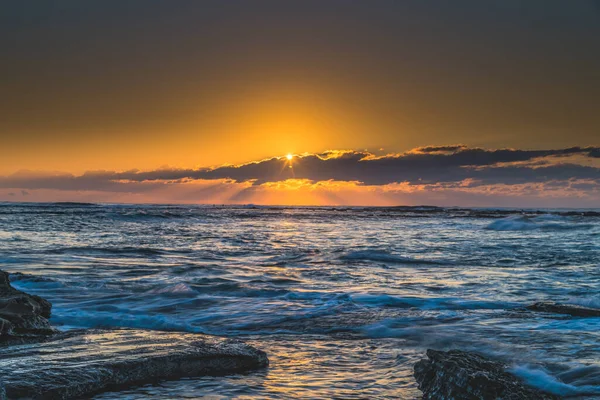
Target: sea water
(343,300)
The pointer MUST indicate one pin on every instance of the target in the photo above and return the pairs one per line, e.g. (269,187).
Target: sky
(465,102)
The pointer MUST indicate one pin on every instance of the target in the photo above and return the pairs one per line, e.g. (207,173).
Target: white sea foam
(526,223)
(588,301)
(541,379)
(180,288)
(102,319)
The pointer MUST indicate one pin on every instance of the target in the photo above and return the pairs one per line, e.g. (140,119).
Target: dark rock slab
(568,309)
(22,313)
(459,375)
(82,363)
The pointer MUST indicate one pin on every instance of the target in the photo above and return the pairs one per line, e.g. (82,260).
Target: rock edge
(567,309)
(460,375)
(22,313)
(39,362)
(83,363)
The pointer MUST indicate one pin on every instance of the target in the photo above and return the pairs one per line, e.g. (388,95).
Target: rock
(22,313)
(37,362)
(81,363)
(459,375)
(6,327)
(568,309)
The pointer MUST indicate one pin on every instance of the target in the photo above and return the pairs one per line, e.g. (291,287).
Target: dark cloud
(425,165)
(440,149)
(594,152)
(432,166)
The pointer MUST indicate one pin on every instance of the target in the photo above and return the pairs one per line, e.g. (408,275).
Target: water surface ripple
(344,300)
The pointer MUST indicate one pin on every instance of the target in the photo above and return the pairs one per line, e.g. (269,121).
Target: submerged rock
(568,309)
(82,363)
(456,374)
(22,313)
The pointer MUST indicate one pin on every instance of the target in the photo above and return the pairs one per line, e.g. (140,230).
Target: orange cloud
(435,175)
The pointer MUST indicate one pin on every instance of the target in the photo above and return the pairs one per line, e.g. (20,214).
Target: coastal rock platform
(81,363)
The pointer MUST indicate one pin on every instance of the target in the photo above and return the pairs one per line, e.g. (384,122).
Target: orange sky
(109,85)
(253,124)
(172,88)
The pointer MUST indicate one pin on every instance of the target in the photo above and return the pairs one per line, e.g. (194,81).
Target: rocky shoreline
(82,363)
(22,314)
(39,362)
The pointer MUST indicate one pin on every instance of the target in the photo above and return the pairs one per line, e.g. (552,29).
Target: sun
(289,157)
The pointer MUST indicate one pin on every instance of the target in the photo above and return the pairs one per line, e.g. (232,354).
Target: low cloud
(460,173)
(439,149)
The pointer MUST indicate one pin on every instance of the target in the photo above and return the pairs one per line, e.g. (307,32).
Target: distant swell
(89,250)
(543,222)
(385,256)
(432,303)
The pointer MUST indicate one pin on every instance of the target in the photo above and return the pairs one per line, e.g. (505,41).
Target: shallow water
(344,300)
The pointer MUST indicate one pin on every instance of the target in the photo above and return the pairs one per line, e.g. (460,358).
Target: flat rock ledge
(22,314)
(82,363)
(567,309)
(459,375)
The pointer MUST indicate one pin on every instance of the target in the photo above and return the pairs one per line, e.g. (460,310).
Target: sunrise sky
(466,102)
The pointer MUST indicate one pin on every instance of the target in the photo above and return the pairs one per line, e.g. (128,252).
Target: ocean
(344,300)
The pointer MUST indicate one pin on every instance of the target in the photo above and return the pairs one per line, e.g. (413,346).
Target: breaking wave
(543,380)
(544,222)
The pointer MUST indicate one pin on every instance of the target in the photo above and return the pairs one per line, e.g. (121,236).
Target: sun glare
(290,156)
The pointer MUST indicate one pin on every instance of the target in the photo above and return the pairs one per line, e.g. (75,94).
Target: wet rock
(22,313)
(456,374)
(568,309)
(82,363)
(5,327)
(37,362)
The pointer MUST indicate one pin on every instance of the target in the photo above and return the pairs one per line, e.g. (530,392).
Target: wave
(90,250)
(591,302)
(429,303)
(184,307)
(106,319)
(177,289)
(212,287)
(24,282)
(542,380)
(149,215)
(527,223)
(218,288)
(385,256)
(16,238)
(71,204)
